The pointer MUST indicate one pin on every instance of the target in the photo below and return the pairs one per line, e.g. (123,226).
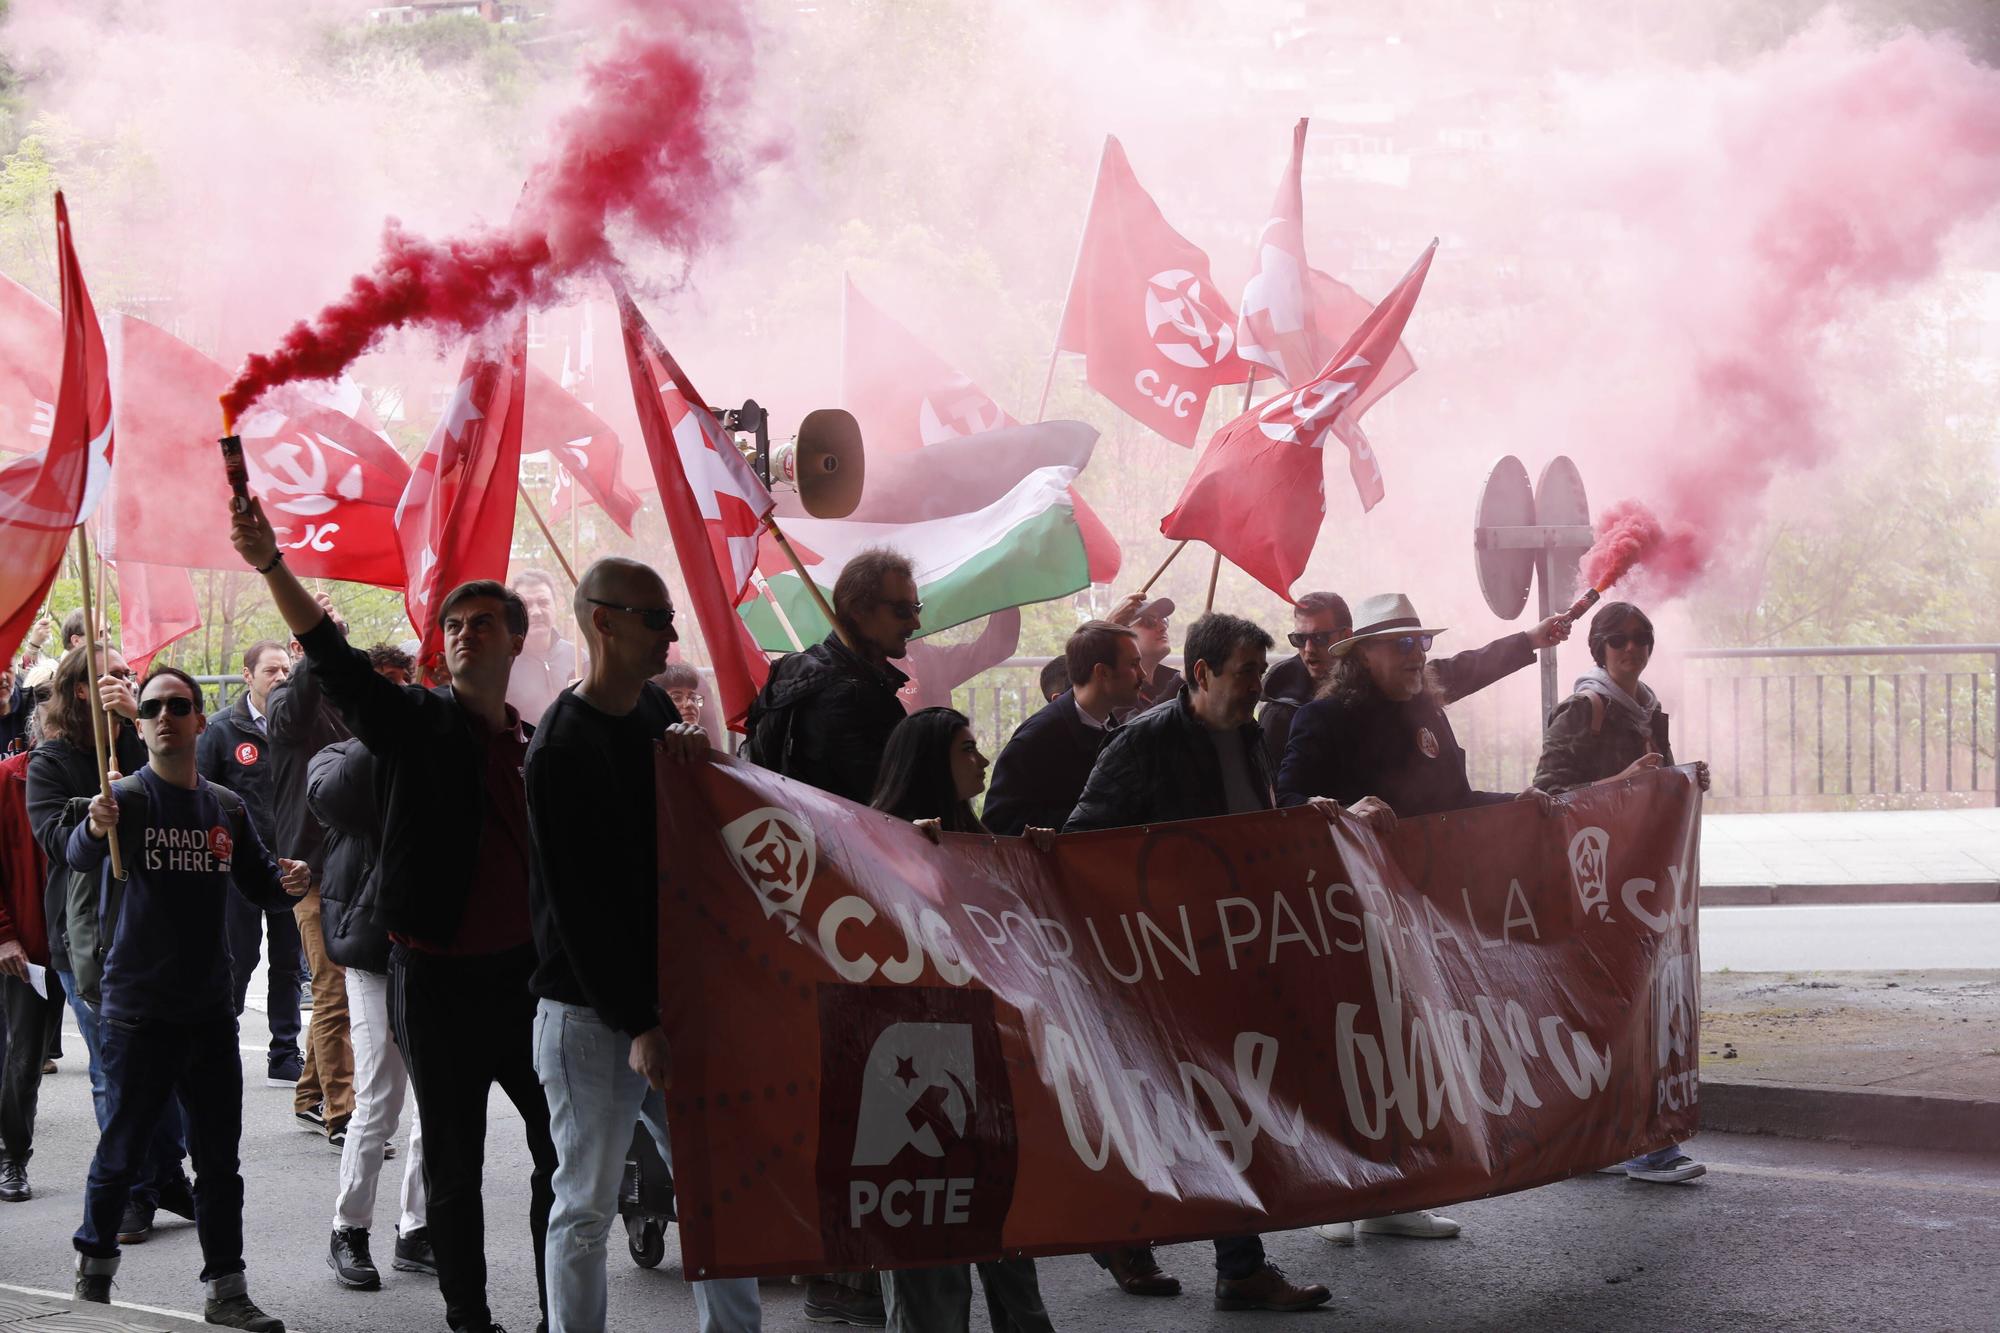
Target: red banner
(891,1053)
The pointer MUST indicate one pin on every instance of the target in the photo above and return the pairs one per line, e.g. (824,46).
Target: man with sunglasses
(167,1003)
(1150,622)
(451,888)
(594,888)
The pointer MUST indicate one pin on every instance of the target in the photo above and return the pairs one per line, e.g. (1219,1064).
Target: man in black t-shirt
(593,888)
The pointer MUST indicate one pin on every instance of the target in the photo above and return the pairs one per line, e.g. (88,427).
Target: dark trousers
(169,1144)
(146,1065)
(245,923)
(1235,1256)
(465,1024)
(25,1020)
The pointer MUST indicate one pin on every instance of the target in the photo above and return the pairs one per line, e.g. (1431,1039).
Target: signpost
(1521,536)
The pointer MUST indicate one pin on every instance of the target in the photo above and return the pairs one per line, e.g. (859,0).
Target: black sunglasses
(652,617)
(1404,643)
(179,706)
(1151,622)
(1319,638)
(903,610)
(1618,641)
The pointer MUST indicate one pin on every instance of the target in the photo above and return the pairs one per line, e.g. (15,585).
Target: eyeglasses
(1619,641)
(1150,622)
(685,698)
(1319,638)
(902,610)
(178,706)
(652,617)
(1407,643)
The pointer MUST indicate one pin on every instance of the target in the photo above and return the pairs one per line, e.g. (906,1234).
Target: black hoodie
(824,718)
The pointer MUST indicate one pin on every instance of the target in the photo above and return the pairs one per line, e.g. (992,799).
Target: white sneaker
(1673,1171)
(1420,1225)
(1340,1233)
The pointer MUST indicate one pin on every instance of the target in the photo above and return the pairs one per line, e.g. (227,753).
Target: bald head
(621,582)
(626,617)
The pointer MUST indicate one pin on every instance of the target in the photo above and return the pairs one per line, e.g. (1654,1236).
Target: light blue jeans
(594,1100)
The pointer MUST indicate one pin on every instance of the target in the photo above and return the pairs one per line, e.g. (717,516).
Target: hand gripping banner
(891,1053)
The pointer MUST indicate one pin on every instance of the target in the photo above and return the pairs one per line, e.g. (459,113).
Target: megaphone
(824,464)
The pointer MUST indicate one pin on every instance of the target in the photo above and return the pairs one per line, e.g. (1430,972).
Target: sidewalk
(24,1310)
(1904,856)
(1910,1059)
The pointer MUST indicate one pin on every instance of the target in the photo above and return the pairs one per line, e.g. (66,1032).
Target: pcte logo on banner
(772,850)
(917,1153)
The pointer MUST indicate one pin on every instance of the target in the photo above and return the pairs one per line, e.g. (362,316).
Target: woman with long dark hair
(1613,727)
(931,770)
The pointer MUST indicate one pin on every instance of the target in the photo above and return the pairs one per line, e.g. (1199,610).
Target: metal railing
(1895,726)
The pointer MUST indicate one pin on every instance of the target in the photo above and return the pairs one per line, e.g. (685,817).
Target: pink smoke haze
(1837,178)
(648,145)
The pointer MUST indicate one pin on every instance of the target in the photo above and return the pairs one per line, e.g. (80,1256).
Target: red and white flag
(586,449)
(1338,310)
(1277,329)
(44,495)
(456,519)
(1258,495)
(156,606)
(715,508)
(330,485)
(31,343)
(905,396)
(1155,334)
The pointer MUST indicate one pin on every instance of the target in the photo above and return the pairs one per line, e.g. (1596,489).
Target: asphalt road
(1780,1235)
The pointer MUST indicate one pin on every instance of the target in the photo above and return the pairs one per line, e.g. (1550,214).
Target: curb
(1947,1121)
(1805,895)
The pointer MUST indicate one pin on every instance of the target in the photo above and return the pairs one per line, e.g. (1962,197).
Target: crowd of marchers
(459,878)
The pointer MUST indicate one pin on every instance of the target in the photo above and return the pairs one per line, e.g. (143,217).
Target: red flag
(1155,334)
(31,340)
(715,507)
(329,484)
(1338,310)
(906,396)
(456,520)
(155,607)
(1258,495)
(44,495)
(587,449)
(1277,329)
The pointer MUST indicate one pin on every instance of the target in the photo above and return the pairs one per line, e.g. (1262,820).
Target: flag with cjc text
(1155,334)
(1258,494)
(456,519)
(44,495)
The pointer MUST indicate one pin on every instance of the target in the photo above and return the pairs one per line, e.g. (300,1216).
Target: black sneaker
(14,1181)
(413,1252)
(177,1197)
(135,1225)
(312,1118)
(284,1069)
(93,1287)
(336,1132)
(831,1303)
(240,1311)
(388,1152)
(347,1256)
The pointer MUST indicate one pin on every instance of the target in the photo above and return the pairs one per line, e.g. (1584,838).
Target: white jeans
(594,1100)
(380,1084)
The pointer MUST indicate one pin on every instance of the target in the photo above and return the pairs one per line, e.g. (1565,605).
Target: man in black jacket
(301,723)
(1044,766)
(594,888)
(1197,757)
(235,752)
(825,714)
(452,889)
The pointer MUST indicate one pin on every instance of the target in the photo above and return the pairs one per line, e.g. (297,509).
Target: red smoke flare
(1629,536)
(646,144)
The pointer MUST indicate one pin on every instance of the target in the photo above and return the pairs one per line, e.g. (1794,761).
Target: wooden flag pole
(1147,586)
(785,545)
(100,722)
(555,547)
(778,610)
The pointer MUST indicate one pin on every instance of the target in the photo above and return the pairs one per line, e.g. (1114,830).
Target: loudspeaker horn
(825,463)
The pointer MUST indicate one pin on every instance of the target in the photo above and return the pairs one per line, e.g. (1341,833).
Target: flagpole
(1147,586)
(555,547)
(764,587)
(100,721)
(1048,381)
(785,545)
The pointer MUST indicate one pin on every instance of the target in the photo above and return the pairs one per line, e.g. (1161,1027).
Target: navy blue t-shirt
(169,956)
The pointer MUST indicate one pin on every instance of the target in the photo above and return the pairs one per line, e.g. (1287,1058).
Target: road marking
(1853,1178)
(116,1305)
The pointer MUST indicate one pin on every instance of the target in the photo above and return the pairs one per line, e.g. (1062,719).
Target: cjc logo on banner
(1589,855)
(917,1153)
(773,852)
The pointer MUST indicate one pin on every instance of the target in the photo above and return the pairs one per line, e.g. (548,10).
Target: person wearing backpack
(62,777)
(161,973)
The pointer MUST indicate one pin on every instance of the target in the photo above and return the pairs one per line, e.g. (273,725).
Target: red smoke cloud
(1842,174)
(647,144)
